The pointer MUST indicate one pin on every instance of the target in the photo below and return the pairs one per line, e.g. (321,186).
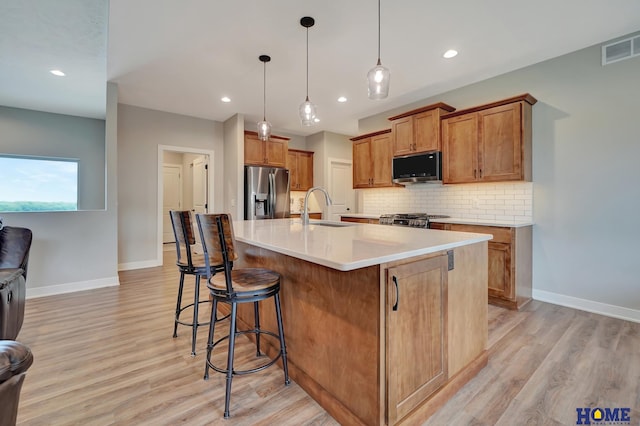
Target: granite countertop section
(348,246)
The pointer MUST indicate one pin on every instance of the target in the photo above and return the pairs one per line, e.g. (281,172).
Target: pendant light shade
(307,108)
(308,113)
(378,77)
(264,127)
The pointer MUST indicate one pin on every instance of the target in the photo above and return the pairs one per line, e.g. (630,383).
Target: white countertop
(348,246)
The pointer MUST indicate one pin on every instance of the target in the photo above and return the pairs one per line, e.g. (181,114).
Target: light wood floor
(106,356)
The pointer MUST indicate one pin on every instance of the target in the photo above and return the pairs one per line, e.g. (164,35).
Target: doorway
(171,197)
(340,187)
(191,190)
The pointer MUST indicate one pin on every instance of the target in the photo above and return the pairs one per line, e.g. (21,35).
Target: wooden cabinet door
(416,334)
(382,155)
(362,163)
(276,152)
(292,165)
(402,131)
(500,282)
(426,130)
(460,149)
(305,170)
(500,145)
(253,150)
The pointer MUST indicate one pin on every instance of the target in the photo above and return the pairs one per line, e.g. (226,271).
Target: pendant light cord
(264,92)
(307,64)
(379,32)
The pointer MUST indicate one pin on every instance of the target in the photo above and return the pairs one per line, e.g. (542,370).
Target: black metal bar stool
(189,264)
(240,285)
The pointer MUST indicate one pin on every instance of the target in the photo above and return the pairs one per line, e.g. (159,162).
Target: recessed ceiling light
(225,99)
(450,53)
(58,73)
(342,99)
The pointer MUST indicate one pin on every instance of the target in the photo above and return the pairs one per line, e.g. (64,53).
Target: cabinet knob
(474,174)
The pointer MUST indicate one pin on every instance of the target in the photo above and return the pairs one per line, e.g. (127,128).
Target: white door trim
(161,151)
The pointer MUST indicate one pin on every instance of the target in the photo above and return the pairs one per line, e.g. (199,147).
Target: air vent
(620,50)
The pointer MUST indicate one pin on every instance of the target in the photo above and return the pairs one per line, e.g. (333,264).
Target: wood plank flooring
(106,357)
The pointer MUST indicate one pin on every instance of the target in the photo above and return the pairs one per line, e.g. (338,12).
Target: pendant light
(378,76)
(264,127)
(307,108)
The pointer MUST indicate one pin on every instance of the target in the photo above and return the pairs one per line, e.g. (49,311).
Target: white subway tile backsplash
(503,201)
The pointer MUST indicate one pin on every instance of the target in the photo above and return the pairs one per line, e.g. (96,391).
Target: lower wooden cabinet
(510,262)
(416,317)
(359,220)
(311,215)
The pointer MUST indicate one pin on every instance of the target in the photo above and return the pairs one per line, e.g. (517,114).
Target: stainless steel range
(414,220)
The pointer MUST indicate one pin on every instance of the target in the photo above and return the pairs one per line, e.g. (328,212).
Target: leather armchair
(15,244)
(15,359)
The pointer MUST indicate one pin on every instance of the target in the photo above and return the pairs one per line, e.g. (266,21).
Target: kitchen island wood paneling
(343,335)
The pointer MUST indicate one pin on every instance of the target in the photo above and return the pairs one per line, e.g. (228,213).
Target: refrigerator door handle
(272,195)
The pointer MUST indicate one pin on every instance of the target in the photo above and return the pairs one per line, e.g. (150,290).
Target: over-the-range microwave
(417,168)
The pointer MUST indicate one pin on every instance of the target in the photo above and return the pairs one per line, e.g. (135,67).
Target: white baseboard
(588,305)
(139,265)
(71,287)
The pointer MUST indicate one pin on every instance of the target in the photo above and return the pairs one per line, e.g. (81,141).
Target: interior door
(200,190)
(340,189)
(171,199)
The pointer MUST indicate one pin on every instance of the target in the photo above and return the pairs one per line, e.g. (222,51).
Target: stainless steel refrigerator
(266,193)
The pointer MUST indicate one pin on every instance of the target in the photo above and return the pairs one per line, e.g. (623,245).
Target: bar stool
(240,285)
(191,265)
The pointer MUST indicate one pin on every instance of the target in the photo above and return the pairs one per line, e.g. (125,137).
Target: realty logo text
(603,416)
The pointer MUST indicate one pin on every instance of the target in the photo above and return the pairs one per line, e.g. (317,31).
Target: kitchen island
(383,324)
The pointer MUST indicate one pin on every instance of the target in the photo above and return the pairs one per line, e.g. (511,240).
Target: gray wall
(140,132)
(35,133)
(585,171)
(234,166)
(76,250)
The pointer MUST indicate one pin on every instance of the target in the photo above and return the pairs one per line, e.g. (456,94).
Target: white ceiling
(182,56)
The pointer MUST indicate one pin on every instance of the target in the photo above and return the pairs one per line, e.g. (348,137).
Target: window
(30,184)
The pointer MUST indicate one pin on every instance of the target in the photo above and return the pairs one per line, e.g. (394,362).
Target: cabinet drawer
(500,234)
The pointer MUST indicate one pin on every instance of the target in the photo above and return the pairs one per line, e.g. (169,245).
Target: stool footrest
(242,372)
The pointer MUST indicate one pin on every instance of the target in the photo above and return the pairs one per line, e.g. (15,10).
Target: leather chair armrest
(15,358)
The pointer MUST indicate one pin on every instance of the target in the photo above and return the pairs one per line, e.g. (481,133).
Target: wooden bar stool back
(234,286)
(189,263)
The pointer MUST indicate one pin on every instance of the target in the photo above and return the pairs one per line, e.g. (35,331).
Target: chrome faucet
(305,210)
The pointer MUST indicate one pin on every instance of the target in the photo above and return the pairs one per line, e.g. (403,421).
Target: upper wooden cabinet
(265,153)
(300,165)
(372,157)
(488,143)
(418,130)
